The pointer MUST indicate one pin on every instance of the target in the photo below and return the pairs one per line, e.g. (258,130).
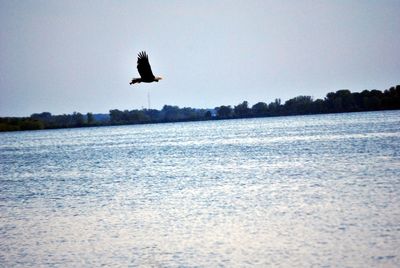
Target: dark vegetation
(341,101)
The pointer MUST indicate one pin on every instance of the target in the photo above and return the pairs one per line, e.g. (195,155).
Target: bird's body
(144,68)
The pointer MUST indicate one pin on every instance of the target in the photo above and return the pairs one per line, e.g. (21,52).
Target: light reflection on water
(290,191)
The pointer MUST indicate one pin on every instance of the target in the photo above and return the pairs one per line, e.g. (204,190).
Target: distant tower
(148,99)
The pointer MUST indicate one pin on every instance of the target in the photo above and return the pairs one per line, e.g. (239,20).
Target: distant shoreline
(341,101)
(188,121)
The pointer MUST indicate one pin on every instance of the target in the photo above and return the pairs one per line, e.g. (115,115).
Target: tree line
(340,101)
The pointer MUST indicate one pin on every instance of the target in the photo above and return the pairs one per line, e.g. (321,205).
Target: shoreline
(188,120)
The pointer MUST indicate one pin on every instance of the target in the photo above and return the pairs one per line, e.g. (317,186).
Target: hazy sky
(65,56)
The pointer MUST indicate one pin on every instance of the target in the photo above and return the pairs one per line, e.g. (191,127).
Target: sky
(65,56)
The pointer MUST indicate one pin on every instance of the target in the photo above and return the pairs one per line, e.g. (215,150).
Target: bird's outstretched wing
(144,67)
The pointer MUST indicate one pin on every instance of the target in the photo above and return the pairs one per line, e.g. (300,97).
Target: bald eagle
(144,68)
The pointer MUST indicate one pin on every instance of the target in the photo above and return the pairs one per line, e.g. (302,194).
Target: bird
(144,68)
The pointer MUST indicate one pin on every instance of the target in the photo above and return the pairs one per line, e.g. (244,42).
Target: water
(295,191)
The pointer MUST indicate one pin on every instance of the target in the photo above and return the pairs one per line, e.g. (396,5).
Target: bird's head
(157,78)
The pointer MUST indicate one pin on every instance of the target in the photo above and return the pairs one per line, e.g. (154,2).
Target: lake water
(297,191)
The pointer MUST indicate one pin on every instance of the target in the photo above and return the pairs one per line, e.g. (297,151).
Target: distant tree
(329,102)
(207,115)
(260,109)
(136,116)
(62,121)
(347,102)
(242,109)
(77,119)
(224,111)
(89,118)
(153,114)
(391,98)
(116,116)
(45,116)
(170,113)
(299,105)
(275,107)
(188,114)
(318,107)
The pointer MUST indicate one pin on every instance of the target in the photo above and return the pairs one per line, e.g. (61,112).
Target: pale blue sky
(65,56)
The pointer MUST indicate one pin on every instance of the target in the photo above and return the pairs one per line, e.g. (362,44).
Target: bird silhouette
(144,68)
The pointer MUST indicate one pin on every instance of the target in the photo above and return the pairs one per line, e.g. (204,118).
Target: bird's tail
(135,80)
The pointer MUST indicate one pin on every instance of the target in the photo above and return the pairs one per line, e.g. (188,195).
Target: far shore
(341,101)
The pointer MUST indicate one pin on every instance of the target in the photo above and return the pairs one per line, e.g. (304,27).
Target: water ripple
(290,191)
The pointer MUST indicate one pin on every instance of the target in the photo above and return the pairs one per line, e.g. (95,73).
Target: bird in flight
(144,68)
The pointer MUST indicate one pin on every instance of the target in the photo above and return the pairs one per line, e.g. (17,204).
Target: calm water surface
(288,191)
